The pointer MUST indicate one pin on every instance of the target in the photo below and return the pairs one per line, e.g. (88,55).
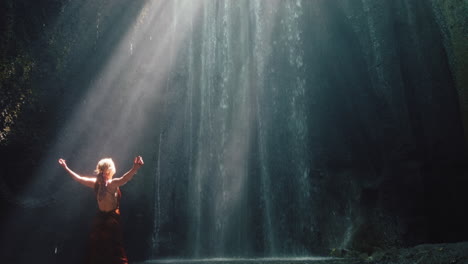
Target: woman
(106,236)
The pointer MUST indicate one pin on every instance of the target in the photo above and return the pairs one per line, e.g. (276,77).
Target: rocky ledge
(455,253)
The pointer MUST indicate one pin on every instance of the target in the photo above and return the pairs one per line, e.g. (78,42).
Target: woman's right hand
(62,163)
(138,162)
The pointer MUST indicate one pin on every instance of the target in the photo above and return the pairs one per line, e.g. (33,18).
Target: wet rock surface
(454,253)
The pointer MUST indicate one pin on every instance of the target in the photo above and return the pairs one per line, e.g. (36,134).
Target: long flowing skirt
(105,242)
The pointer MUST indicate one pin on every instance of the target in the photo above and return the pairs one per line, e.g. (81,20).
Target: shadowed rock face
(391,108)
(451,17)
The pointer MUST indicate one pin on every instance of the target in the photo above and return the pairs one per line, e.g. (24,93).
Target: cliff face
(451,16)
(405,134)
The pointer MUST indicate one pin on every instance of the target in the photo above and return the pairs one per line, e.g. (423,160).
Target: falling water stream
(226,77)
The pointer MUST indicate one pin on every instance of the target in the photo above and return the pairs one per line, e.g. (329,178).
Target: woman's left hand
(62,163)
(138,162)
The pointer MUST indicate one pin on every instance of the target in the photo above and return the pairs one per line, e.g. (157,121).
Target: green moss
(14,92)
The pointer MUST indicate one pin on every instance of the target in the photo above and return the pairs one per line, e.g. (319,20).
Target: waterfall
(262,51)
(229,89)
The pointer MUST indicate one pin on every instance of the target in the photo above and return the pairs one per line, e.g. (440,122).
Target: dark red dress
(106,243)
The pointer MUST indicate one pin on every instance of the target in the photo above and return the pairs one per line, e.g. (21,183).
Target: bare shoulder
(88,181)
(115,183)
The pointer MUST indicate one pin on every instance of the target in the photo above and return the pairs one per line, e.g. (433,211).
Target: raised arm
(137,163)
(83,180)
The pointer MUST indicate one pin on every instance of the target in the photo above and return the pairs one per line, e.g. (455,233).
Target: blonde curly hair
(105,164)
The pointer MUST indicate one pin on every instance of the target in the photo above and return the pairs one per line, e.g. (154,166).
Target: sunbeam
(121,100)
